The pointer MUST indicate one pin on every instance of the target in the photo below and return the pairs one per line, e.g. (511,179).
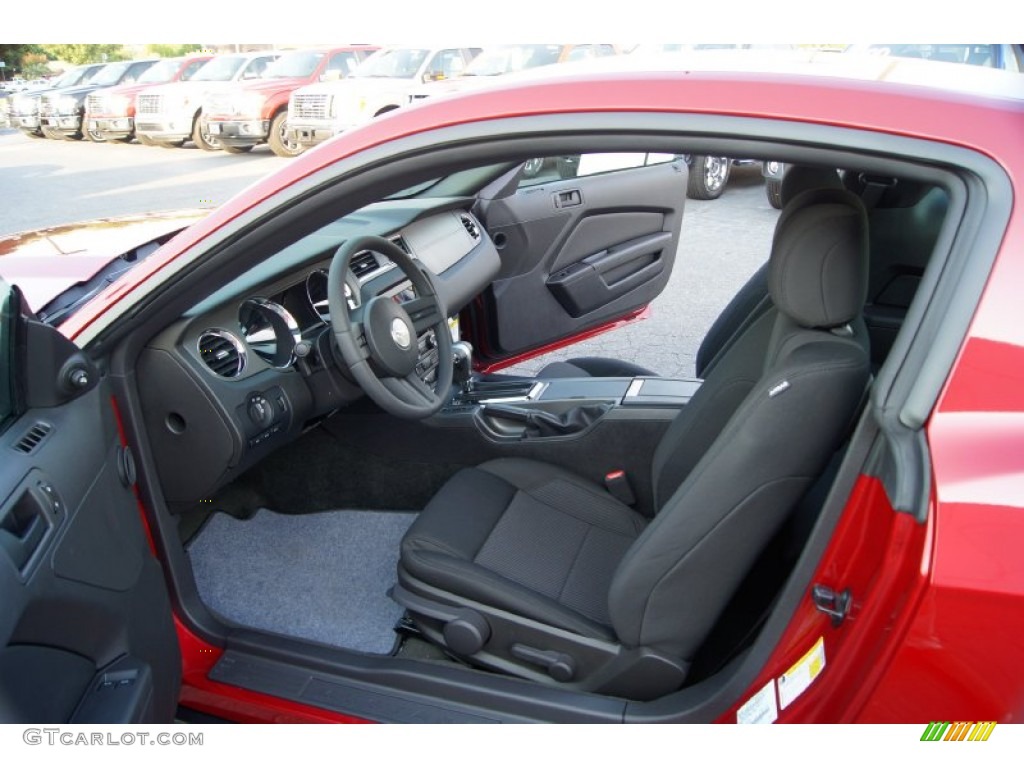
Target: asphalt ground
(45,183)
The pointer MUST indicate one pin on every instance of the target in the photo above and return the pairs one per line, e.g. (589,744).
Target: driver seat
(526,568)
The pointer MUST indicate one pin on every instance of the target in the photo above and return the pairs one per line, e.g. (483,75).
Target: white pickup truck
(380,84)
(169,114)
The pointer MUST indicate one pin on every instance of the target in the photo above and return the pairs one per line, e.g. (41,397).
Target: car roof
(944,76)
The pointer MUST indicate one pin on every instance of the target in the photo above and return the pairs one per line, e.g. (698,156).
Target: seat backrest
(752,301)
(764,424)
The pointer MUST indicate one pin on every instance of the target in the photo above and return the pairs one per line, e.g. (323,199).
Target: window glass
(343,62)
(445,64)
(395,62)
(191,69)
(295,64)
(160,72)
(539,170)
(255,69)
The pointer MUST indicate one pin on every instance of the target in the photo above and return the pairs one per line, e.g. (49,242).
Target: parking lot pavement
(47,182)
(723,241)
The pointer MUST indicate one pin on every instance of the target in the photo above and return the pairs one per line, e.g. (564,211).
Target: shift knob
(462,361)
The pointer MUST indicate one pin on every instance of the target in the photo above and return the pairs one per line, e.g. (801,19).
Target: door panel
(578,252)
(86,631)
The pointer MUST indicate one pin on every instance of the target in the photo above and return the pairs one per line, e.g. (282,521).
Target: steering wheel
(379,340)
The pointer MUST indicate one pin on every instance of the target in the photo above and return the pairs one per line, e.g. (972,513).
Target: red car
(249,474)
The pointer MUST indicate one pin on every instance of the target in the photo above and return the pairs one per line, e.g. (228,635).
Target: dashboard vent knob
(471,227)
(364,263)
(222,353)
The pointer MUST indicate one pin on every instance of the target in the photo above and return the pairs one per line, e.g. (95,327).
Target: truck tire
(237,150)
(278,140)
(773,189)
(203,138)
(708,177)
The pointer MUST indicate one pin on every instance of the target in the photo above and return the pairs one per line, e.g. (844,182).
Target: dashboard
(254,364)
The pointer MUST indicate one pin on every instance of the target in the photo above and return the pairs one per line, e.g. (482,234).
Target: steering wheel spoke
(359,337)
(424,313)
(411,389)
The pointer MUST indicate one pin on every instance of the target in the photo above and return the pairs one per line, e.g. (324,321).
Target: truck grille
(47,105)
(94,104)
(148,104)
(24,105)
(311,106)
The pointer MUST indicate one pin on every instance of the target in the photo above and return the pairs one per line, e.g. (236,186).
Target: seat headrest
(897,193)
(818,269)
(800,178)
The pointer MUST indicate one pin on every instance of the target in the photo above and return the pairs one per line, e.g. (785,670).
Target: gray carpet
(321,576)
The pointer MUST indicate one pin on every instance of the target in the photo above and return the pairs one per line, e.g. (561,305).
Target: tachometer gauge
(270,331)
(316,290)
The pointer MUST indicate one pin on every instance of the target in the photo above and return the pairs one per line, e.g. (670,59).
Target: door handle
(22,527)
(568,198)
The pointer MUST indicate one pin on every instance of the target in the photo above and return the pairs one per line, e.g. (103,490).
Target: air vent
(222,353)
(364,263)
(400,242)
(31,439)
(470,225)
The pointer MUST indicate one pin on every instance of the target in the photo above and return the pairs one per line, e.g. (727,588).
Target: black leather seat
(524,567)
(745,307)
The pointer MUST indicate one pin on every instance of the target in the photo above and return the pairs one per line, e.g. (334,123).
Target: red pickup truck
(256,112)
(110,112)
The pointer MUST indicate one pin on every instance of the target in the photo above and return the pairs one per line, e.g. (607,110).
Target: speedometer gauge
(270,331)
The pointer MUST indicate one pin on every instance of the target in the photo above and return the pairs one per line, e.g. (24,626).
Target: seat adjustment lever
(560,666)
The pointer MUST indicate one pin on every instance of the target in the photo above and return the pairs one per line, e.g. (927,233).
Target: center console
(514,409)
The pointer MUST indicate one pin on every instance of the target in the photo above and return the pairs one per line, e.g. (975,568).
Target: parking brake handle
(540,423)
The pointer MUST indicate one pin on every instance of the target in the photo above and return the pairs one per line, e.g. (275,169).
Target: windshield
(979,55)
(512,58)
(298,64)
(160,72)
(74,77)
(110,74)
(220,69)
(396,62)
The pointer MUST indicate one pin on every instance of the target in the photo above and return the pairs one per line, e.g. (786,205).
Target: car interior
(342,479)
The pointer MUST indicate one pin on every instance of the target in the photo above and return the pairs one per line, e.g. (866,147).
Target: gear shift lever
(462,373)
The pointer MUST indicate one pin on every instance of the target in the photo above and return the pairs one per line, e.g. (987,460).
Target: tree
(172,50)
(84,53)
(33,65)
(11,55)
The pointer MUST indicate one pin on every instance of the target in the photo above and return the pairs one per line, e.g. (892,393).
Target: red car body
(935,625)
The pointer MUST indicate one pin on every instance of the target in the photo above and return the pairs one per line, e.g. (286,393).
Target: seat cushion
(526,537)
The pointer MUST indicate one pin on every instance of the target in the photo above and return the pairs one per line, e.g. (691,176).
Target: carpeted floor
(320,577)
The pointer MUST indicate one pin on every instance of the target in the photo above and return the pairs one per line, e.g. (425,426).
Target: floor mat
(321,576)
